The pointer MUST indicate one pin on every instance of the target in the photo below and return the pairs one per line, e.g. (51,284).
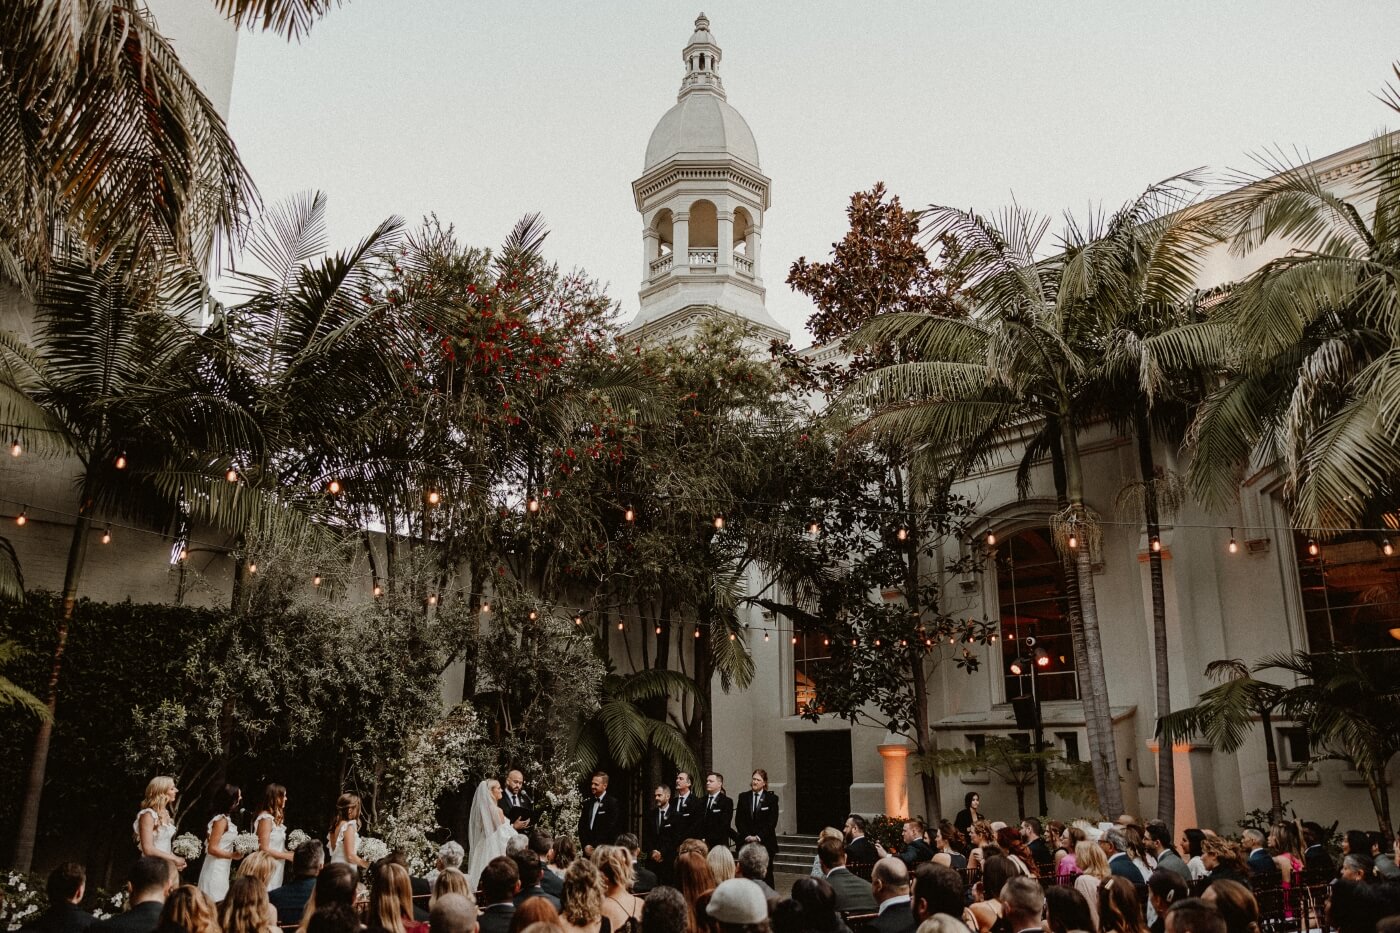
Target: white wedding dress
(162,833)
(214,875)
(277,839)
(488,831)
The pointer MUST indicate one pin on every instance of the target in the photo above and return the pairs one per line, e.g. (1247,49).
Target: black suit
(290,899)
(659,835)
(1318,863)
(717,820)
(643,880)
(685,818)
(553,884)
(896,919)
(598,823)
(536,891)
(522,809)
(862,850)
(61,918)
(140,919)
(1041,852)
(496,918)
(760,821)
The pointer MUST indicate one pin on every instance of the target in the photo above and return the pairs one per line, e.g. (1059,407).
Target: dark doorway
(823,761)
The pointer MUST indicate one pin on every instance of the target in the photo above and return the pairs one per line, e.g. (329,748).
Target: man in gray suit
(1158,841)
(853,895)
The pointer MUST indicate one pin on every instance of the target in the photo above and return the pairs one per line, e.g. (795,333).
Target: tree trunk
(28,824)
(1271,756)
(928,778)
(1166,762)
(1096,705)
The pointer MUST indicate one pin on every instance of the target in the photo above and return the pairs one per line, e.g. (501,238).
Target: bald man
(889,882)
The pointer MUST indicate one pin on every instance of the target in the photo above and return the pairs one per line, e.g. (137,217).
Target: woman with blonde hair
(1093,869)
(721,862)
(582,898)
(391,900)
(980,836)
(258,865)
(188,910)
(449,881)
(344,837)
(830,832)
(622,908)
(247,909)
(154,827)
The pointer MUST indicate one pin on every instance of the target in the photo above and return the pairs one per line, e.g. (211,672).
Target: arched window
(1032,599)
(704,225)
(664,226)
(1351,592)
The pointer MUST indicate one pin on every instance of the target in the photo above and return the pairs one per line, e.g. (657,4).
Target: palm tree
(1017,359)
(1225,714)
(622,731)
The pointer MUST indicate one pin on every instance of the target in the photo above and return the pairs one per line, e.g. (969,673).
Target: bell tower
(703,199)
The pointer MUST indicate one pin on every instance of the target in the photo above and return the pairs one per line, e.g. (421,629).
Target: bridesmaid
(345,831)
(272,831)
(155,827)
(218,844)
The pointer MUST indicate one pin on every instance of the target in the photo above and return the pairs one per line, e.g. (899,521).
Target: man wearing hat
(738,905)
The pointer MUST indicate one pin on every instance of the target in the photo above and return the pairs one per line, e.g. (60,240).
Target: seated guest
(535,913)
(149,882)
(1223,861)
(1259,860)
(853,895)
(622,908)
(643,878)
(916,851)
(986,909)
(336,886)
(889,882)
(1023,902)
(391,900)
(1093,869)
(500,882)
(666,912)
(738,906)
(452,913)
(1317,861)
(188,910)
(948,844)
(1357,868)
(830,832)
(1164,888)
(752,864)
(1194,915)
(527,865)
(721,862)
(942,923)
(333,918)
(450,881)
(1120,911)
(450,855)
(816,903)
(696,882)
(583,899)
(938,889)
(65,886)
(1359,906)
(247,909)
(1236,905)
(1066,911)
(290,899)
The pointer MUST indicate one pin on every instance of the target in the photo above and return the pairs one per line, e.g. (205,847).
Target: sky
(480,111)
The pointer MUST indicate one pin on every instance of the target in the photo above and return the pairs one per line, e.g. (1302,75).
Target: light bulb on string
(794,639)
(902,534)
(765,634)
(814,529)
(120,462)
(107,535)
(719,522)
(1386,549)
(991,538)
(316,580)
(697,631)
(877,643)
(378,590)
(533,505)
(578,620)
(928,642)
(904,643)
(432,599)
(732,636)
(16,448)
(184,553)
(619,625)
(333,487)
(1313,549)
(658,630)
(853,642)
(22,518)
(630,515)
(826,642)
(534,615)
(1234,546)
(434,497)
(486,605)
(252,567)
(1156,545)
(231,475)
(1073,540)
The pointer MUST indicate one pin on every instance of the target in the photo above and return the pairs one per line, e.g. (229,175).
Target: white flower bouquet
(296,839)
(371,849)
(187,846)
(245,843)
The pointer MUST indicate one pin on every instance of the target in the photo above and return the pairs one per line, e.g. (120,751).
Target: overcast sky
(484,110)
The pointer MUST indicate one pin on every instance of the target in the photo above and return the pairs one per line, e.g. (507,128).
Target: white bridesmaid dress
(277,839)
(338,844)
(214,876)
(164,832)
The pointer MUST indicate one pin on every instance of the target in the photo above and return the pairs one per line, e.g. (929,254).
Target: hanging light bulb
(231,475)
(1386,549)
(252,568)
(853,642)
(485,605)
(991,538)
(902,534)
(719,522)
(1156,545)
(107,535)
(765,634)
(994,636)
(22,518)
(732,636)
(16,448)
(120,463)
(378,590)
(630,515)
(533,505)
(814,529)
(794,639)
(658,630)
(904,643)
(877,643)
(432,599)
(184,553)
(1313,549)
(333,487)
(697,631)
(619,625)
(434,497)
(1073,540)
(316,580)
(534,615)
(578,620)
(928,642)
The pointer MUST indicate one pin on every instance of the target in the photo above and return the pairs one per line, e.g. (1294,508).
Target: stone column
(724,261)
(680,242)
(651,250)
(755,238)
(895,752)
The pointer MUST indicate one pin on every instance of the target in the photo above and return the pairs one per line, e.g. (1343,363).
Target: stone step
(795,854)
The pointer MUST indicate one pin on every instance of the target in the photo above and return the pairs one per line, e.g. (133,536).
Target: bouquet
(296,839)
(245,843)
(187,846)
(371,849)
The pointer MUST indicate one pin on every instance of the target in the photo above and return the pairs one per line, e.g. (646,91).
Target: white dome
(703,127)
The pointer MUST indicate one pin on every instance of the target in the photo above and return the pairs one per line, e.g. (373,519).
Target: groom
(515,803)
(602,815)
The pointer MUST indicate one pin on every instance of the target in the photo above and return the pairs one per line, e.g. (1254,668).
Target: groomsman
(659,835)
(718,819)
(598,824)
(756,818)
(686,812)
(515,802)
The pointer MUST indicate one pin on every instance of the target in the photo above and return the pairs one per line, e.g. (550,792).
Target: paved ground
(782,882)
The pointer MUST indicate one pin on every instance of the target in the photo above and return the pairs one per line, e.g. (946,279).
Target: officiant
(515,803)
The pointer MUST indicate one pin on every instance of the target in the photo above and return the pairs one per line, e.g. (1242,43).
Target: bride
(488,830)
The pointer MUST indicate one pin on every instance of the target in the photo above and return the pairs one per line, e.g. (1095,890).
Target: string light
(1156,545)
(252,568)
(378,590)
(485,605)
(534,615)
(184,553)
(432,599)
(630,515)
(315,581)
(533,505)
(107,535)
(902,534)
(434,497)
(578,620)
(619,625)
(991,538)
(1073,541)
(1386,549)
(719,522)
(16,448)
(23,517)
(231,475)
(697,631)
(794,639)
(1313,548)
(658,630)
(333,487)
(120,463)
(732,636)
(826,642)
(814,529)
(877,643)
(1234,546)
(765,634)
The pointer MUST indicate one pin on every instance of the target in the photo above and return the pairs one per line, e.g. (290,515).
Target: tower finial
(701,55)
